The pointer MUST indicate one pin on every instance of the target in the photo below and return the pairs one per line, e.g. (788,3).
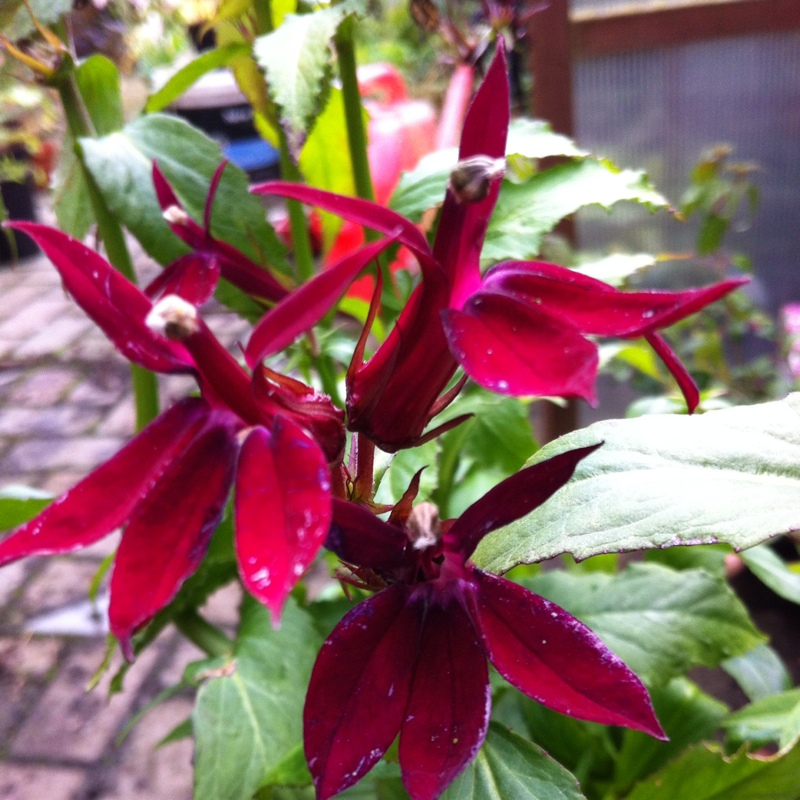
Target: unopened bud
(424,528)
(173,318)
(175,215)
(471,178)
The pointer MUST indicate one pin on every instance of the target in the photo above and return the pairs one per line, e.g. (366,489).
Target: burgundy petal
(235,266)
(594,307)
(168,533)
(102,501)
(511,348)
(224,381)
(306,306)
(194,277)
(283,510)
(513,498)
(390,398)
(448,710)
(358,537)
(304,404)
(359,689)
(486,123)
(462,225)
(362,212)
(550,656)
(110,299)
(685,381)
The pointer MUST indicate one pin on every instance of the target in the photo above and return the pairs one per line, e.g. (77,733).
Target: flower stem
(263,12)
(210,639)
(366,467)
(354,113)
(301,242)
(145,385)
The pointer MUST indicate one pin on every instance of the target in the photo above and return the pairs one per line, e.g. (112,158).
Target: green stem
(327,374)
(301,241)
(210,639)
(145,384)
(354,113)
(264,21)
(344,42)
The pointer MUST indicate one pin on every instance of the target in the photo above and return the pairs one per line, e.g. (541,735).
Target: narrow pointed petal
(389,398)
(462,225)
(283,510)
(359,688)
(362,212)
(117,306)
(448,710)
(307,305)
(312,409)
(594,307)
(101,502)
(555,659)
(513,498)
(358,537)
(685,381)
(224,381)
(168,534)
(511,348)
(235,266)
(194,277)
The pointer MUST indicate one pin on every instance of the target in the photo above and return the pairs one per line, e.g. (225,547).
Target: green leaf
(618,268)
(292,770)
(70,193)
(660,622)
(122,163)
(704,773)
(403,468)
(712,230)
(773,719)
(760,672)
(482,451)
(99,85)
(729,476)
(325,159)
(194,70)
(424,186)
(19,504)
(710,557)
(296,59)
(770,568)
(183,730)
(510,767)
(535,139)
(579,746)
(687,715)
(16,23)
(247,722)
(526,211)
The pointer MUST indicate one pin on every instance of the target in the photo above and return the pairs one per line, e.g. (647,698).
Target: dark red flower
(520,329)
(168,487)
(411,659)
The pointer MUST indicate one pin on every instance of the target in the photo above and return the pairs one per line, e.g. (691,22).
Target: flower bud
(173,318)
(424,528)
(175,215)
(471,178)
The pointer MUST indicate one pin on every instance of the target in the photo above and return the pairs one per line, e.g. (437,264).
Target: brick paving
(66,406)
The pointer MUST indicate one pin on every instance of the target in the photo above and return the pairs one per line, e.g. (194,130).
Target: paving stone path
(65,407)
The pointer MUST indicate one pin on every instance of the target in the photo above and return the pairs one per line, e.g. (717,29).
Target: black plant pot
(18,200)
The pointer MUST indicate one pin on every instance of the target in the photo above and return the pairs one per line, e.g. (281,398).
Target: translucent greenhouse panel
(660,109)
